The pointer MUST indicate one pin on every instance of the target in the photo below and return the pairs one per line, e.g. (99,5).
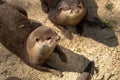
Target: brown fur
(40,44)
(64,12)
(32,44)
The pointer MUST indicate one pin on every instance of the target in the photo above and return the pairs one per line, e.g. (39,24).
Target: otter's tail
(86,73)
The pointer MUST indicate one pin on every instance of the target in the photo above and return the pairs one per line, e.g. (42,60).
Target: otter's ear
(37,39)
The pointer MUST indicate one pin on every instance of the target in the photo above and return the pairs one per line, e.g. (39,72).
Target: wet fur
(18,35)
(64,12)
(58,9)
(15,34)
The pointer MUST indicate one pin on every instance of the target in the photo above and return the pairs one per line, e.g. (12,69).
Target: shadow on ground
(97,29)
(75,62)
(13,78)
(94,27)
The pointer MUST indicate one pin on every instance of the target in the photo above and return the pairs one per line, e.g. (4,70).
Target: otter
(33,44)
(64,12)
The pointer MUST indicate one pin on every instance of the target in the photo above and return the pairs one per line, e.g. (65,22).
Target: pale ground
(101,45)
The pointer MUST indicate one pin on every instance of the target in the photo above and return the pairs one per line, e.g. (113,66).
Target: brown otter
(32,44)
(64,12)
(18,35)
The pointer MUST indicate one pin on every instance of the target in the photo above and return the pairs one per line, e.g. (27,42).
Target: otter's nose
(77,11)
(57,38)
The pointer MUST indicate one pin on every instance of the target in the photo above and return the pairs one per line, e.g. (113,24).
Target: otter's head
(41,42)
(70,12)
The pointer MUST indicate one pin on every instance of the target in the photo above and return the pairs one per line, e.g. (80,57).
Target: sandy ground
(99,44)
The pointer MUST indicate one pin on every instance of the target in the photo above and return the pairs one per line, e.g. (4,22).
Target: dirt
(99,42)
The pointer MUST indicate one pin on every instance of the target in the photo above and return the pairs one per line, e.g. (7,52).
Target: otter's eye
(48,38)
(37,39)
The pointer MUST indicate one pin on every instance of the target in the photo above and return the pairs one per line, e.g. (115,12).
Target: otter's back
(14,28)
